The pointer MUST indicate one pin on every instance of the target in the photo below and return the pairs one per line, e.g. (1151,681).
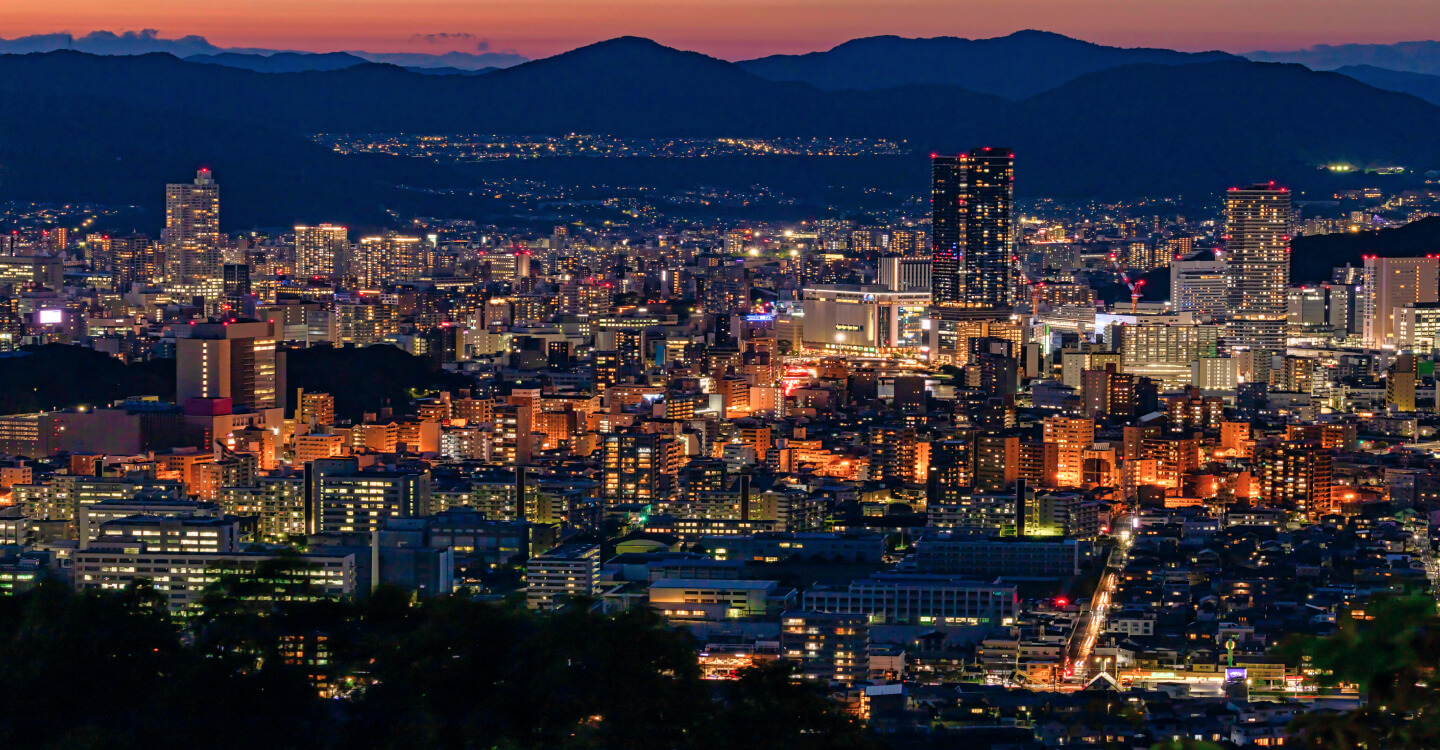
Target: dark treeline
(58,376)
(116,671)
(366,379)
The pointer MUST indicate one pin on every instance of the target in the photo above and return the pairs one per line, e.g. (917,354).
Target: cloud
(134,42)
(143,41)
(442,37)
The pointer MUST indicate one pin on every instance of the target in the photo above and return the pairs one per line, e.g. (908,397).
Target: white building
(182,578)
(1198,285)
(569,570)
(1215,374)
(857,319)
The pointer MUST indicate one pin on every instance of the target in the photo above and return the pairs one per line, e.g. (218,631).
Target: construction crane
(1036,286)
(1134,293)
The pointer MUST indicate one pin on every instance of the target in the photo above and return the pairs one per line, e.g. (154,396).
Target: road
(1089,627)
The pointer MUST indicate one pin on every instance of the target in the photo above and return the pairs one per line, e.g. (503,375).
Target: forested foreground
(115,671)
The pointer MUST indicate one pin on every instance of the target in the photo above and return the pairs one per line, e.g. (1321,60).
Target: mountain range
(1423,85)
(1016,66)
(1086,121)
(1408,57)
(147,41)
(300,62)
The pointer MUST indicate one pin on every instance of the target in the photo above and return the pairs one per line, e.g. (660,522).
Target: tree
(767,707)
(1392,656)
(444,673)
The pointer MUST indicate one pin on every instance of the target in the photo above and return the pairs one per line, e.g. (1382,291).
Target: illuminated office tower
(972,199)
(321,251)
(1257,244)
(343,498)
(192,229)
(228,360)
(388,257)
(99,252)
(947,226)
(404,257)
(366,262)
(1198,285)
(1392,283)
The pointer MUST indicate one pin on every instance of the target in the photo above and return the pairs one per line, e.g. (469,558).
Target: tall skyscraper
(192,229)
(1257,243)
(972,198)
(947,226)
(321,251)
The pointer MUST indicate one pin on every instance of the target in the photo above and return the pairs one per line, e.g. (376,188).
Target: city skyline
(633,398)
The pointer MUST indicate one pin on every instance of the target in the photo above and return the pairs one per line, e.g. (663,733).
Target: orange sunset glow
(731,29)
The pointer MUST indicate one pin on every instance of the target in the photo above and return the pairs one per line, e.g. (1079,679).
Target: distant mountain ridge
(1134,130)
(1016,66)
(1425,86)
(1408,57)
(282,62)
(147,41)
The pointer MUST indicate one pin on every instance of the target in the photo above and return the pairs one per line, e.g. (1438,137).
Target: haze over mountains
(146,41)
(1409,57)
(1086,120)
(1423,85)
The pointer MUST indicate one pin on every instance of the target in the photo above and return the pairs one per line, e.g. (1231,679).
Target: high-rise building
(894,455)
(997,462)
(388,257)
(1108,393)
(952,472)
(1070,436)
(1164,352)
(1198,285)
(972,197)
(1257,243)
(316,409)
(234,360)
(1392,283)
(900,273)
(1296,477)
(192,229)
(321,251)
(637,467)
